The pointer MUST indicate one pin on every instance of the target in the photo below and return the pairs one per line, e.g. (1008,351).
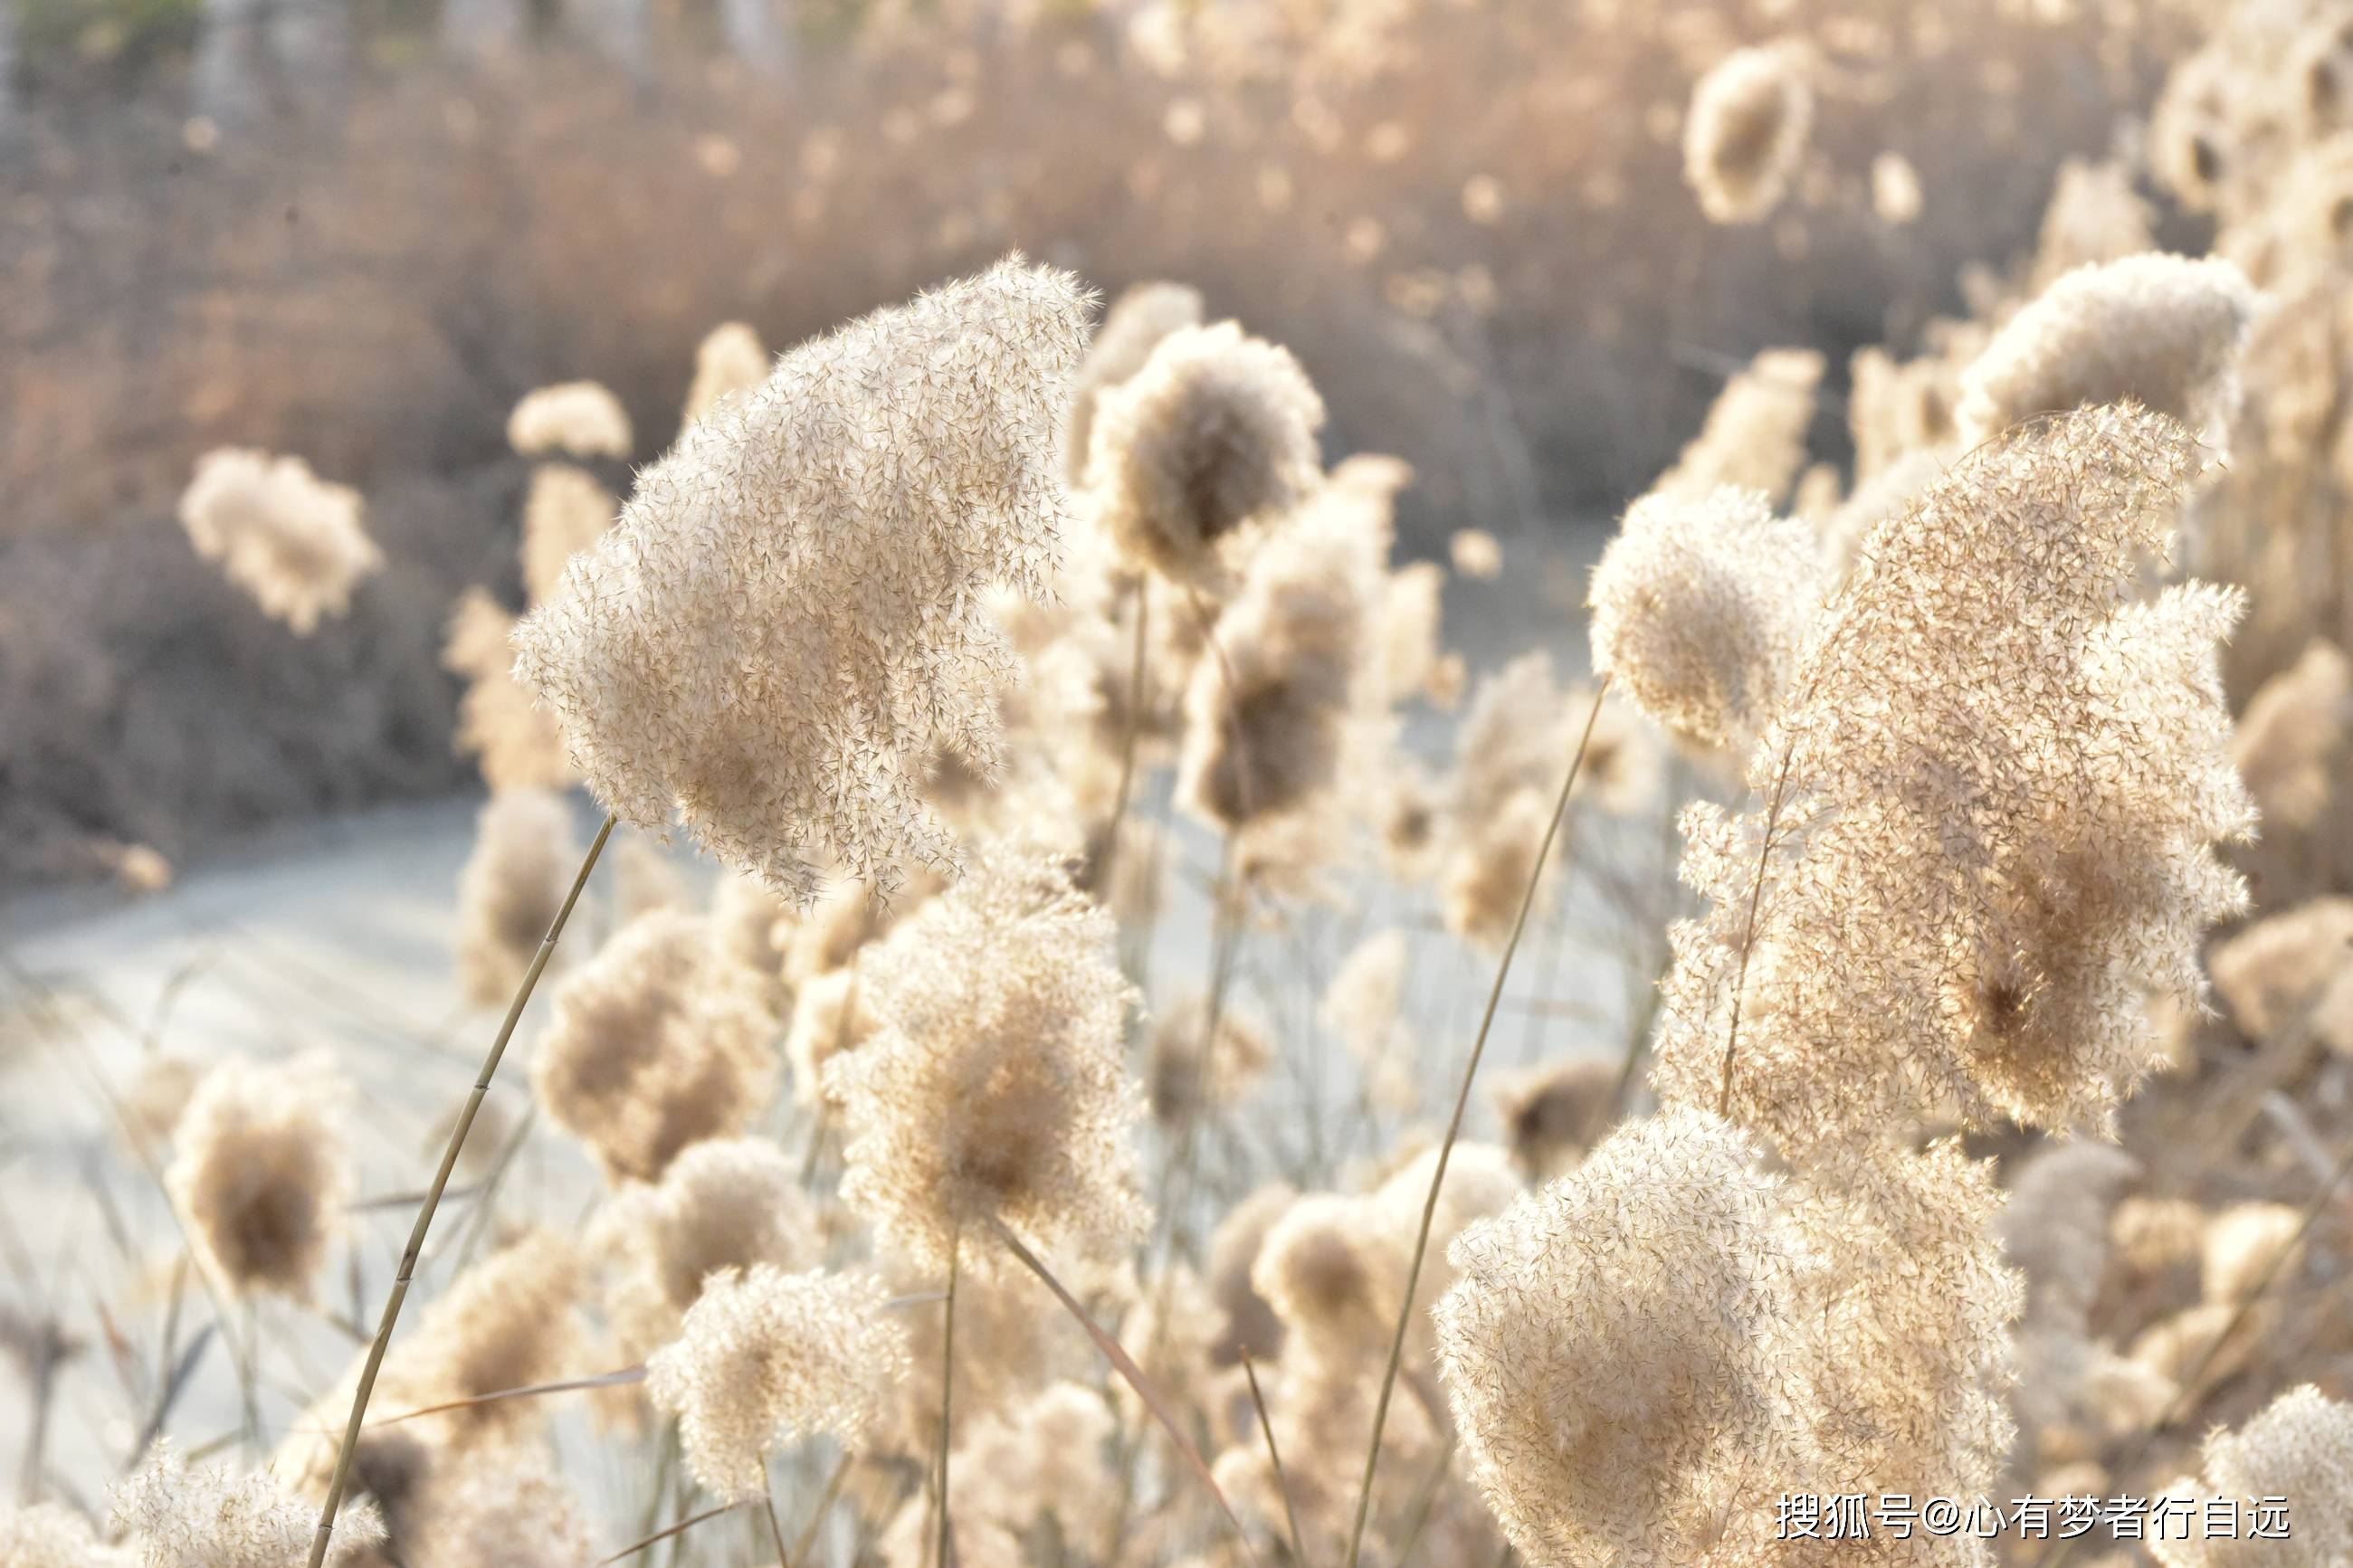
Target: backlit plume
(993,1088)
(577,418)
(281,534)
(1215,432)
(784,625)
(1746,130)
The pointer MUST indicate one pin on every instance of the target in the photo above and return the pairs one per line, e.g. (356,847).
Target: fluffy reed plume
(2150,1234)
(1509,753)
(2293,970)
(261,1170)
(657,1042)
(2094,215)
(2165,330)
(580,418)
(1885,494)
(159,1095)
(1755,435)
(50,1535)
(1895,407)
(727,1202)
(1613,1351)
(2300,1449)
(177,1517)
(1412,663)
(281,534)
(1701,607)
(1038,1469)
(1553,1113)
(1133,326)
(994,1090)
(1321,1274)
(522,866)
(831,1015)
(1475,553)
(1217,432)
(1902,1310)
(764,1358)
(512,1507)
(644,878)
(2054,1231)
(1187,1075)
(786,626)
(1270,717)
(1247,1321)
(508,1321)
(2020,810)
(566,511)
(754,928)
(515,743)
(730,360)
(1365,996)
(1746,131)
(2239,1245)
(2294,749)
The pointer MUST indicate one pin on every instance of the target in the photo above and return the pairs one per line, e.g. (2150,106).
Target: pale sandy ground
(337,937)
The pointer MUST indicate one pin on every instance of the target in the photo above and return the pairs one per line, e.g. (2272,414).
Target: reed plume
(656,1042)
(287,537)
(515,880)
(1215,433)
(1746,130)
(261,1170)
(578,418)
(766,1358)
(993,1088)
(729,362)
(180,1517)
(784,625)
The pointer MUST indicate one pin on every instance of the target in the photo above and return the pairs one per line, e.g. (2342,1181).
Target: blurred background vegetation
(359,230)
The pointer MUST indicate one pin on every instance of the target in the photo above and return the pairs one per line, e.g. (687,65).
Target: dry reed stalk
(659,1536)
(1125,1364)
(1135,685)
(1454,1126)
(1274,1457)
(408,1255)
(947,1394)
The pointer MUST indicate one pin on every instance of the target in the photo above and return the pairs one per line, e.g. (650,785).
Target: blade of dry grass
(1274,1457)
(1125,1366)
(621,1379)
(1454,1125)
(343,1475)
(659,1536)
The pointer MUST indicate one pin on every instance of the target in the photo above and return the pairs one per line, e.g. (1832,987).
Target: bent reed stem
(1455,1124)
(409,1256)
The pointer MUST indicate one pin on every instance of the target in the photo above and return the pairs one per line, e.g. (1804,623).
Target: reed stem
(383,1341)
(1454,1126)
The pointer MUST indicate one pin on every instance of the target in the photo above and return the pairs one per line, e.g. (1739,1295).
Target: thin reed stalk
(659,1536)
(1128,742)
(768,1499)
(1125,1364)
(808,1537)
(947,1397)
(1454,1125)
(1274,1457)
(342,1476)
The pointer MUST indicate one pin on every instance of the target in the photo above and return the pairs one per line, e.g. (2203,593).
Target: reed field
(1176,784)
